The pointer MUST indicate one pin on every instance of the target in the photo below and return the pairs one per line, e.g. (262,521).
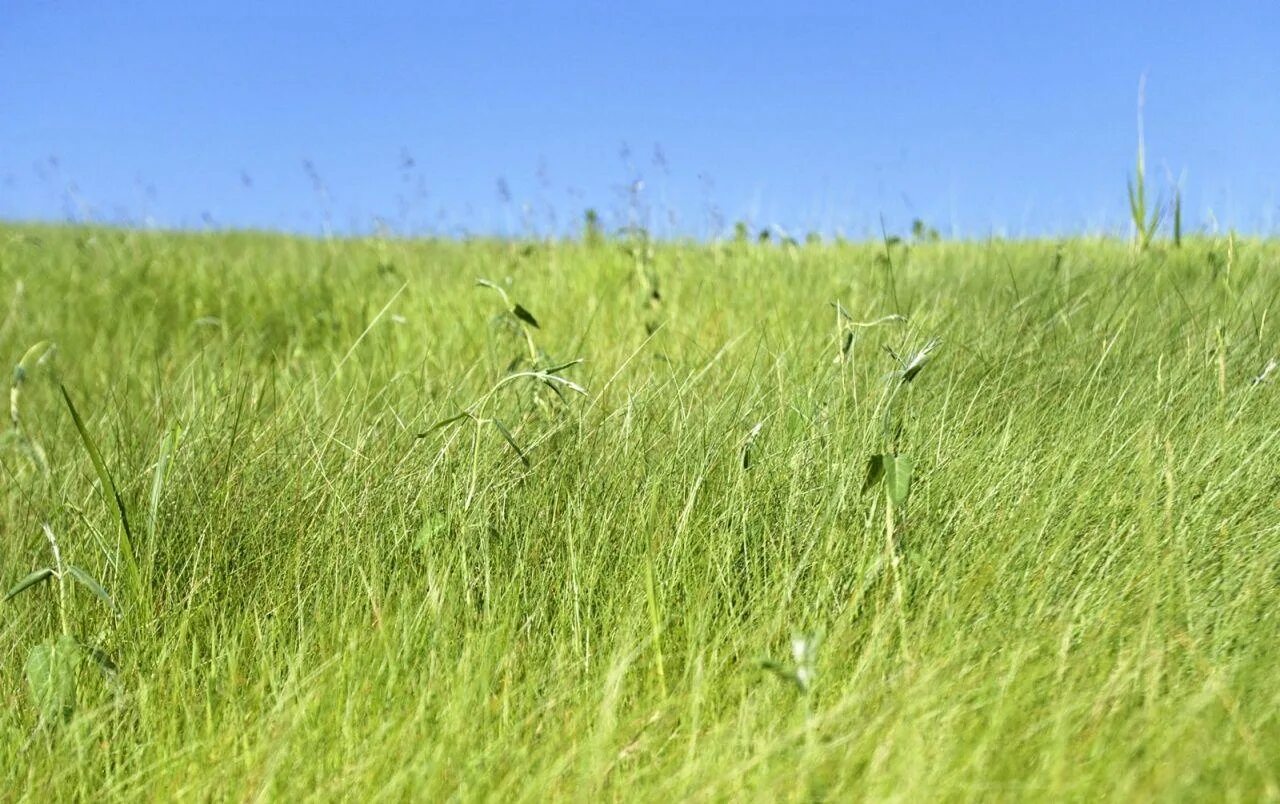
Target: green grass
(322,605)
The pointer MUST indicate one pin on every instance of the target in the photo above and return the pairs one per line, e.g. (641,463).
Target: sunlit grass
(673,584)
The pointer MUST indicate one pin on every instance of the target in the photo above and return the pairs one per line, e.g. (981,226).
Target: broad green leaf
(51,676)
(31,580)
(875,471)
(525,316)
(88,582)
(502,428)
(897,478)
(433,528)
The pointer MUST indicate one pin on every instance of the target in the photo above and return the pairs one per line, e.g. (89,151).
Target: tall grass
(1144,213)
(327,606)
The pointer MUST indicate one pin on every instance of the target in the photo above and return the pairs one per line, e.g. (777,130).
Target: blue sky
(1001,117)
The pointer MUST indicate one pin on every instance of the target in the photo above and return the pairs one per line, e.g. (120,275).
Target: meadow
(638,520)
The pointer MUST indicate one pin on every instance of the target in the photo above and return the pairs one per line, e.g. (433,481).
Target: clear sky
(1013,118)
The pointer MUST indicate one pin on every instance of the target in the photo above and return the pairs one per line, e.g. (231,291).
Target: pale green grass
(327,607)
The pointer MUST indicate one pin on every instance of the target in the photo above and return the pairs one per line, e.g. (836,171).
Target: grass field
(678,587)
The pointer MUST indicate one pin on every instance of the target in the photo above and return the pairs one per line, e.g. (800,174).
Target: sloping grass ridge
(342,579)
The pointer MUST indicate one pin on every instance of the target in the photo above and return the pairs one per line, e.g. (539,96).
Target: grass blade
(127,554)
(502,428)
(88,582)
(561,367)
(157,480)
(26,583)
(1177,219)
(556,378)
(524,315)
(29,361)
(443,423)
(485,283)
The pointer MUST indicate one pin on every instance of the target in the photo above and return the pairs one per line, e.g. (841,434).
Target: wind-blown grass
(332,607)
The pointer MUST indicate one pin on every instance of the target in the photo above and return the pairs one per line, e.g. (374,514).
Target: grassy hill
(659,573)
